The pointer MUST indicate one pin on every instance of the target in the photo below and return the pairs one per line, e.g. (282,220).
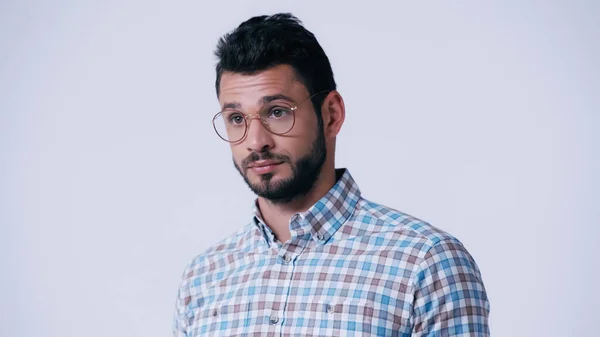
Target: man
(316,259)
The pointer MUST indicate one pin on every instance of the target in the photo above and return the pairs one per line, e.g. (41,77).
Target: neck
(277,216)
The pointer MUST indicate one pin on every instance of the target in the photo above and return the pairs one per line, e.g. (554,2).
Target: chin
(271,177)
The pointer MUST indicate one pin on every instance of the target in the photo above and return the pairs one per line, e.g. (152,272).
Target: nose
(258,138)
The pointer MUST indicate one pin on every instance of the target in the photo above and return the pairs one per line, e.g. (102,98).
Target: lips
(264,166)
(264,163)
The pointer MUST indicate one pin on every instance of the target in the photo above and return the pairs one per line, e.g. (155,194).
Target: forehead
(248,88)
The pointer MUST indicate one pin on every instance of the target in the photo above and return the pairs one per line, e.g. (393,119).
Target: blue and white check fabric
(351,268)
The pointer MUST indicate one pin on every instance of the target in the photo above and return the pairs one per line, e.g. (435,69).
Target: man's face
(276,167)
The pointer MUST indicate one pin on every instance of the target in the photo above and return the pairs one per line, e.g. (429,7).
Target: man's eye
(278,112)
(236,119)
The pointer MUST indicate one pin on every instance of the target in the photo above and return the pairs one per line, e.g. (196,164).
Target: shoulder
(443,270)
(412,238)
(382,219)
(216,255)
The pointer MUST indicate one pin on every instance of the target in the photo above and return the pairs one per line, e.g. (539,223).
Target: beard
(305,172)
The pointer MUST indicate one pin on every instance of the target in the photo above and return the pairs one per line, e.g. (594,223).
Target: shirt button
(286,258)
(320,236)
(330,308)
(274,319)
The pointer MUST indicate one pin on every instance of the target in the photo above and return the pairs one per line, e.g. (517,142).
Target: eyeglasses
(277,117)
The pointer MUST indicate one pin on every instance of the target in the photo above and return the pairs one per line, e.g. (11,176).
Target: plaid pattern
(351,268)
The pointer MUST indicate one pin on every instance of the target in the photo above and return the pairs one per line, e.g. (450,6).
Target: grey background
(479,117)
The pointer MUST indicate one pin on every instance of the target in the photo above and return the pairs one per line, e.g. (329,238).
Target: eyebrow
(269,99)
(232,105)
(263,100)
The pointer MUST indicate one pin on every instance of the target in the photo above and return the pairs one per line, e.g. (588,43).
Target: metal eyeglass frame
(248,118)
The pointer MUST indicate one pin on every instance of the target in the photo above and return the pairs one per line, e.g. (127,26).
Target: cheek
(295,147)
(304,131)
(238,154)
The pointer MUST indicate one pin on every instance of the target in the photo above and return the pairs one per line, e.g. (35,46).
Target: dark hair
(264,41)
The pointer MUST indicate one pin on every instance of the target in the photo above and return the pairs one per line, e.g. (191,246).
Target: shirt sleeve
(179,316)
(449,297)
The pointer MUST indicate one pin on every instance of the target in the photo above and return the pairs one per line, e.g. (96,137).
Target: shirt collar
(324,217)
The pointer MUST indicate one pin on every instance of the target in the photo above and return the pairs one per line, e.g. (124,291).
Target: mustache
(254,157)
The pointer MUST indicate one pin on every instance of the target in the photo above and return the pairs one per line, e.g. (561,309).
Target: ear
(334,113)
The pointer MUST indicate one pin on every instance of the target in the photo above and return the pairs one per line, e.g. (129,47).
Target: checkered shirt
(351,268)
